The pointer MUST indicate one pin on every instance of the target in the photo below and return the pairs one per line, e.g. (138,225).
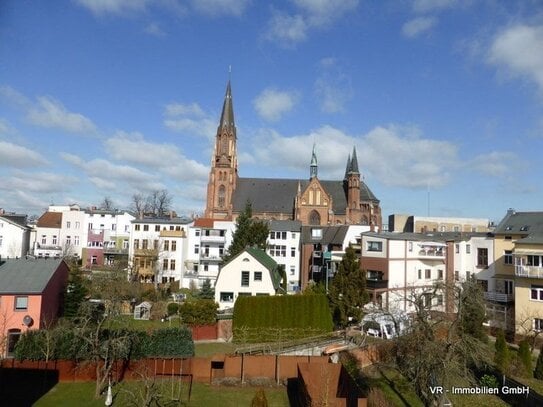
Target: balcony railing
(376,284)
(114,250)
(209,257)
(172,233)
(529,271)
(213,239)
(440,254)
(498,297)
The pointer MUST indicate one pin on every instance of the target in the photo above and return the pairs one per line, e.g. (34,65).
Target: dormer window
(509,227)
(524,228)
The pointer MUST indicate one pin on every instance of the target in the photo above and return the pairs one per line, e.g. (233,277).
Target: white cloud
(271,103)
(396,156)
(424,6)
(155,30)
(417,26)
(220,7)
(288,29)
(50,113)
(189,118)
(333,87)
(37,182)
(15,156)
(497,163)
(120,7)
(518,50)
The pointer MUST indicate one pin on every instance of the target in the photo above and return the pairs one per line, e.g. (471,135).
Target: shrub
(198,312)
(489,381)
(501,356)
(525,356)
(259,400)
(170,342)
(173,308)
(538,372)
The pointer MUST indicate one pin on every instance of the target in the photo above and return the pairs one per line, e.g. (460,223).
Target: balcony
(376,284)
(528,271)
(172,233)
(115,250)
(498,297)
(146,252)
(432,253)
(213,238)
(209,257)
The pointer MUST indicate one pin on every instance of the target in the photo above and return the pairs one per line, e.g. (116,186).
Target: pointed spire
(348,167)
(354,163)
(227,115)
(313,167)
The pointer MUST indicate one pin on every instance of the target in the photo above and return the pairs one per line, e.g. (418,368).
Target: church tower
(352,179)
(224,164)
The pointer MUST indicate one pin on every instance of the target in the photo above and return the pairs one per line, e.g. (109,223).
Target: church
(311,201)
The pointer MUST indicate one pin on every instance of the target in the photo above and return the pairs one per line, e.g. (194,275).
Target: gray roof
(428,237)
(27,276)
(173,221)
(285,225)
(330,234)
(16,220)
(277,195)
(524,223)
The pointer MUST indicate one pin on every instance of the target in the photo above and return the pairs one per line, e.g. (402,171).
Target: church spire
(354,163)
(227,115)
(348,167)
(313,167)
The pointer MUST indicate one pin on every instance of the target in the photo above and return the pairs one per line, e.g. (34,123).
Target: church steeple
(347,168)
(227,115)
(313,168)
(354,163)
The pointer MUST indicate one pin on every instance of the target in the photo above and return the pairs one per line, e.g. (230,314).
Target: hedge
(62,343)
(276,318)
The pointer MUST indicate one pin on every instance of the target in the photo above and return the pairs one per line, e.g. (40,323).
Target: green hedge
(63,343)
(277,318)
(198,312)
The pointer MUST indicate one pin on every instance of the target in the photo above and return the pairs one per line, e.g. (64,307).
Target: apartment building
(14,235)
(428,224)
(284,248)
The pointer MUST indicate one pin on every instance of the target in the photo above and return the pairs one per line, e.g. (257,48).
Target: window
(457,229)
(136,244)
(21,303)
(440,274)
(166,245)
(536,261)
(427,300)
(43,239)
(293,235)
(174,245)
(468,249)
(165,264)
(145,228)
(538,324)
(374,246)
(508,257)
(197,232)
(221,250)
(77,225)
(206,266)
(456,275)
(258,276)
(76,240)
(292,252)
(419,274)
(536,293)
(428,274)
(136,227)
(196,248)
(68,241)
(90,226)
(410,246)
(316,233)
(126,228)
(68,224)
(94,260)
(457,248)
(55,239)
(1,238)
(157,228)
(439,299)
(172,264)
(292,270)
(245,279)
(482,257)
(227,296)
(144,244)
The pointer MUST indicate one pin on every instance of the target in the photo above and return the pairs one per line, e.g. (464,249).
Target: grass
(395,387)
(203,349)
(205,395)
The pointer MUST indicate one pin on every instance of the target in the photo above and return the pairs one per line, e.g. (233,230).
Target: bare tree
(159,202)
(106,204)
(139,205)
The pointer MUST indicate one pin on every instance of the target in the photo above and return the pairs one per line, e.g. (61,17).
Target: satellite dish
(28,321)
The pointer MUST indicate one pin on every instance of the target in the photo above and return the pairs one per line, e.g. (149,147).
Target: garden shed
(143,310)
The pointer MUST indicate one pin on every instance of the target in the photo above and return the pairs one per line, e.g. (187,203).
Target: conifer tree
(207,292)
(525,356)
(538,372)
(501,356)
(259,400)
(347,292)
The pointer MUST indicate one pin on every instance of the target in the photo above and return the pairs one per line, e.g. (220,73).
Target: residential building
(14,235)
(283,246)
(310,201)
(208,240)
(518,262)
(157,249)
(252,272)
(429,224)
(30,296)
(322,249)
(47,241)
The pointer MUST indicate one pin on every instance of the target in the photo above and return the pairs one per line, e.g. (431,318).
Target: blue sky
(112,97)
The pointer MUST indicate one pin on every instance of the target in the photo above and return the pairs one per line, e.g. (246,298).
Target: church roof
(277,195)
(227,114)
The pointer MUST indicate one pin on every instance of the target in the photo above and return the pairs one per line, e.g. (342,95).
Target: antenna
(229,72)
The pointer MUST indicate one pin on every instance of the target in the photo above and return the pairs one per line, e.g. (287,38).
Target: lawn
(203,349)
(125,394)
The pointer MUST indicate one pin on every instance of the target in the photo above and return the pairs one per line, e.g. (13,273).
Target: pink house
(30,296)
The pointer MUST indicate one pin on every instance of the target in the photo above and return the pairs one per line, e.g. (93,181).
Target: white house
(252,272)
(284,247)
(14,235)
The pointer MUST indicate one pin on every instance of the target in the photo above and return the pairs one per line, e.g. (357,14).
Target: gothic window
(364,220)
(314,218)
(224,145)
(222,193)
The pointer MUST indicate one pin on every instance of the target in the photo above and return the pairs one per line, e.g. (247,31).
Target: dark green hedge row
(200,312)
(274,316)
(72,344)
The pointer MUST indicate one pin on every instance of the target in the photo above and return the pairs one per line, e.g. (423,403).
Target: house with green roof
(252,272)
(30,296)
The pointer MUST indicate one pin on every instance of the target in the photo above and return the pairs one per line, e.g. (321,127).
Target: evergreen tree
(249,232)
(525,356)
(207,292)
(472,312)
(347,291)
(75,293)
(283,274)
(501,356)
(538,372)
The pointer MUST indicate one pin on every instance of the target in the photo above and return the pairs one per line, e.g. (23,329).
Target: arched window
(364,220)
(314,218)
(222,194)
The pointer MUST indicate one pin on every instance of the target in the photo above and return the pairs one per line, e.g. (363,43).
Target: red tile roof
(50,220)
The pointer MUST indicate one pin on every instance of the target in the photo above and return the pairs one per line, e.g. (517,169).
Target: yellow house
(518,252)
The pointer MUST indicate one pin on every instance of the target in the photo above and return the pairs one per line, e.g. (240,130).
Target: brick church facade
(311,201)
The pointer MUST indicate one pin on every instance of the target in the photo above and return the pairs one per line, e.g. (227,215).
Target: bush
(525,356)
(259,400)
(501,356)
(198,312)
(173,308)
(170,342)
(538,372)
(489,381)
